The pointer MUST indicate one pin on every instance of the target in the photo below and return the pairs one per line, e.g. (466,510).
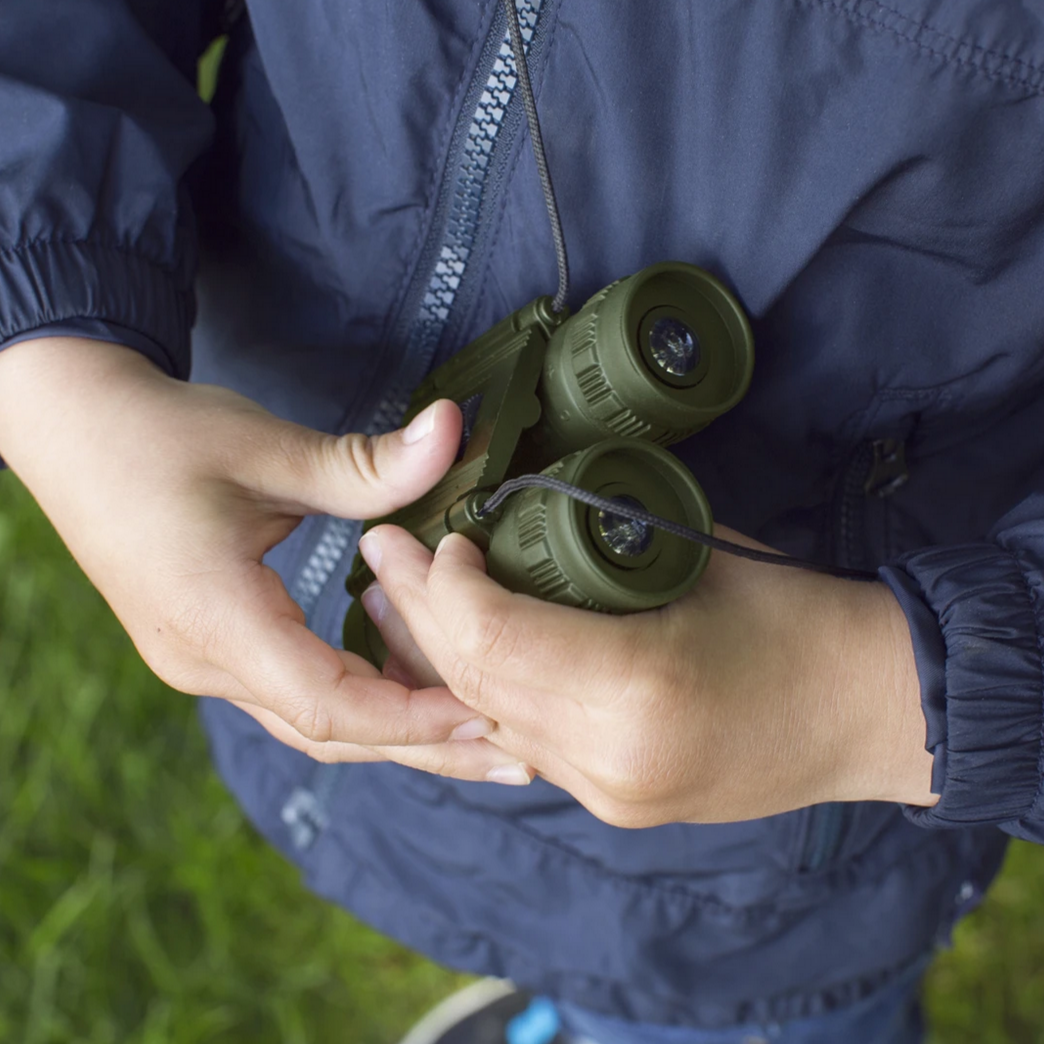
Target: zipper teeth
(466,200)
(446,277)
(334,541)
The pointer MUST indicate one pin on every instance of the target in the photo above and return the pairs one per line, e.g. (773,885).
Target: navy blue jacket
(361,200)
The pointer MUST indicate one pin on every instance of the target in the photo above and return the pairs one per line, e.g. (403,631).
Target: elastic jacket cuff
(98,330)
(975,638)
(50,281)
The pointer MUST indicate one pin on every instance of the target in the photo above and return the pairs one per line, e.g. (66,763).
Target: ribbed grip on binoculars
(646,362)
(552,547)
(656,356)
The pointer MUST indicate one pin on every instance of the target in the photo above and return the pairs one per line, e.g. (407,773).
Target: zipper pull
(887,469)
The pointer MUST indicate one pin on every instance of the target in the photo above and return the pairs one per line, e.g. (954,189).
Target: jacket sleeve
(976,614)
(99,122)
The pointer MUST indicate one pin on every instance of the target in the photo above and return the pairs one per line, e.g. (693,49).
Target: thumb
(360,476)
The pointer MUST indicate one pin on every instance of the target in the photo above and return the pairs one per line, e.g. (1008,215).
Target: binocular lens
(674,347)
(622,535)
(551,546)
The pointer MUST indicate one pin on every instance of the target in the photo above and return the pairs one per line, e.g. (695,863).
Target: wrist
(52,387)
(885,757)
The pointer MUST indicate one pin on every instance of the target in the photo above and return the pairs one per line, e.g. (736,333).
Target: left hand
(763,690)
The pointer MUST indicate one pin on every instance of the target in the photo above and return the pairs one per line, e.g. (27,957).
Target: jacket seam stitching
(607,979)
(702,900)
(705,901)
(961,42)
(913,30)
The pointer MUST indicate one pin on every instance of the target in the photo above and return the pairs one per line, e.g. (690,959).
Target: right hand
(168,495)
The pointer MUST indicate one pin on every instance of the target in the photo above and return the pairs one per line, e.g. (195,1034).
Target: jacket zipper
(469,188)
(439,294)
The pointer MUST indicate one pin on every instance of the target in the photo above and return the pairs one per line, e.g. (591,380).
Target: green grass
(140,908)
(209,64)
(989,989)
(137,904)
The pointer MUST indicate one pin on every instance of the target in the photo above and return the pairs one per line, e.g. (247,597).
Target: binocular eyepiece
(559,549)
(656,356)
(591,400)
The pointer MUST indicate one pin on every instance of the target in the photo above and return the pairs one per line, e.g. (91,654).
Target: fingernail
(473,728)
(420,426)
(441,544)
(370,549)
(374,602)
(512,775)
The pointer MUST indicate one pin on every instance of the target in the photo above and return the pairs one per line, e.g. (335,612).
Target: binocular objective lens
(625,536)
(674,346)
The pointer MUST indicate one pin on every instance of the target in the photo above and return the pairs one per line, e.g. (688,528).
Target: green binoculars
(591,400)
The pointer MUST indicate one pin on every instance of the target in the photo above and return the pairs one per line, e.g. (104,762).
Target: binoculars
(591,400)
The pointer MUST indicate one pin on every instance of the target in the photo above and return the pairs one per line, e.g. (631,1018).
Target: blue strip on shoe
(538,1024)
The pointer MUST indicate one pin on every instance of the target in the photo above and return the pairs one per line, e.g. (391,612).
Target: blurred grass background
(138,907)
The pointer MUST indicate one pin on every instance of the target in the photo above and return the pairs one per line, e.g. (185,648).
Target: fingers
(252,630)
(415,635)
(473,760)
(477,761)
(354,476)
(552,719)
(332,751)
(505,758)
(329,695)
(513,638)
(405,654)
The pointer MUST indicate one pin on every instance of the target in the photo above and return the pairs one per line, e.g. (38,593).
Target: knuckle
(469,683)
(487,638)
(195,628)
(625,808)
(188,626)
(410,731)
(360,451)
(439,764)
(179,650)
(627,775)
(309,719)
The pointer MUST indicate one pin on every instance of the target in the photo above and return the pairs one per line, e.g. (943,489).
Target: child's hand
(168,495)
(763,690)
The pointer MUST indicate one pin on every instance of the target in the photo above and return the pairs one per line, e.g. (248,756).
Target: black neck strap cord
(529,104)
(616,507)
(638,514)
